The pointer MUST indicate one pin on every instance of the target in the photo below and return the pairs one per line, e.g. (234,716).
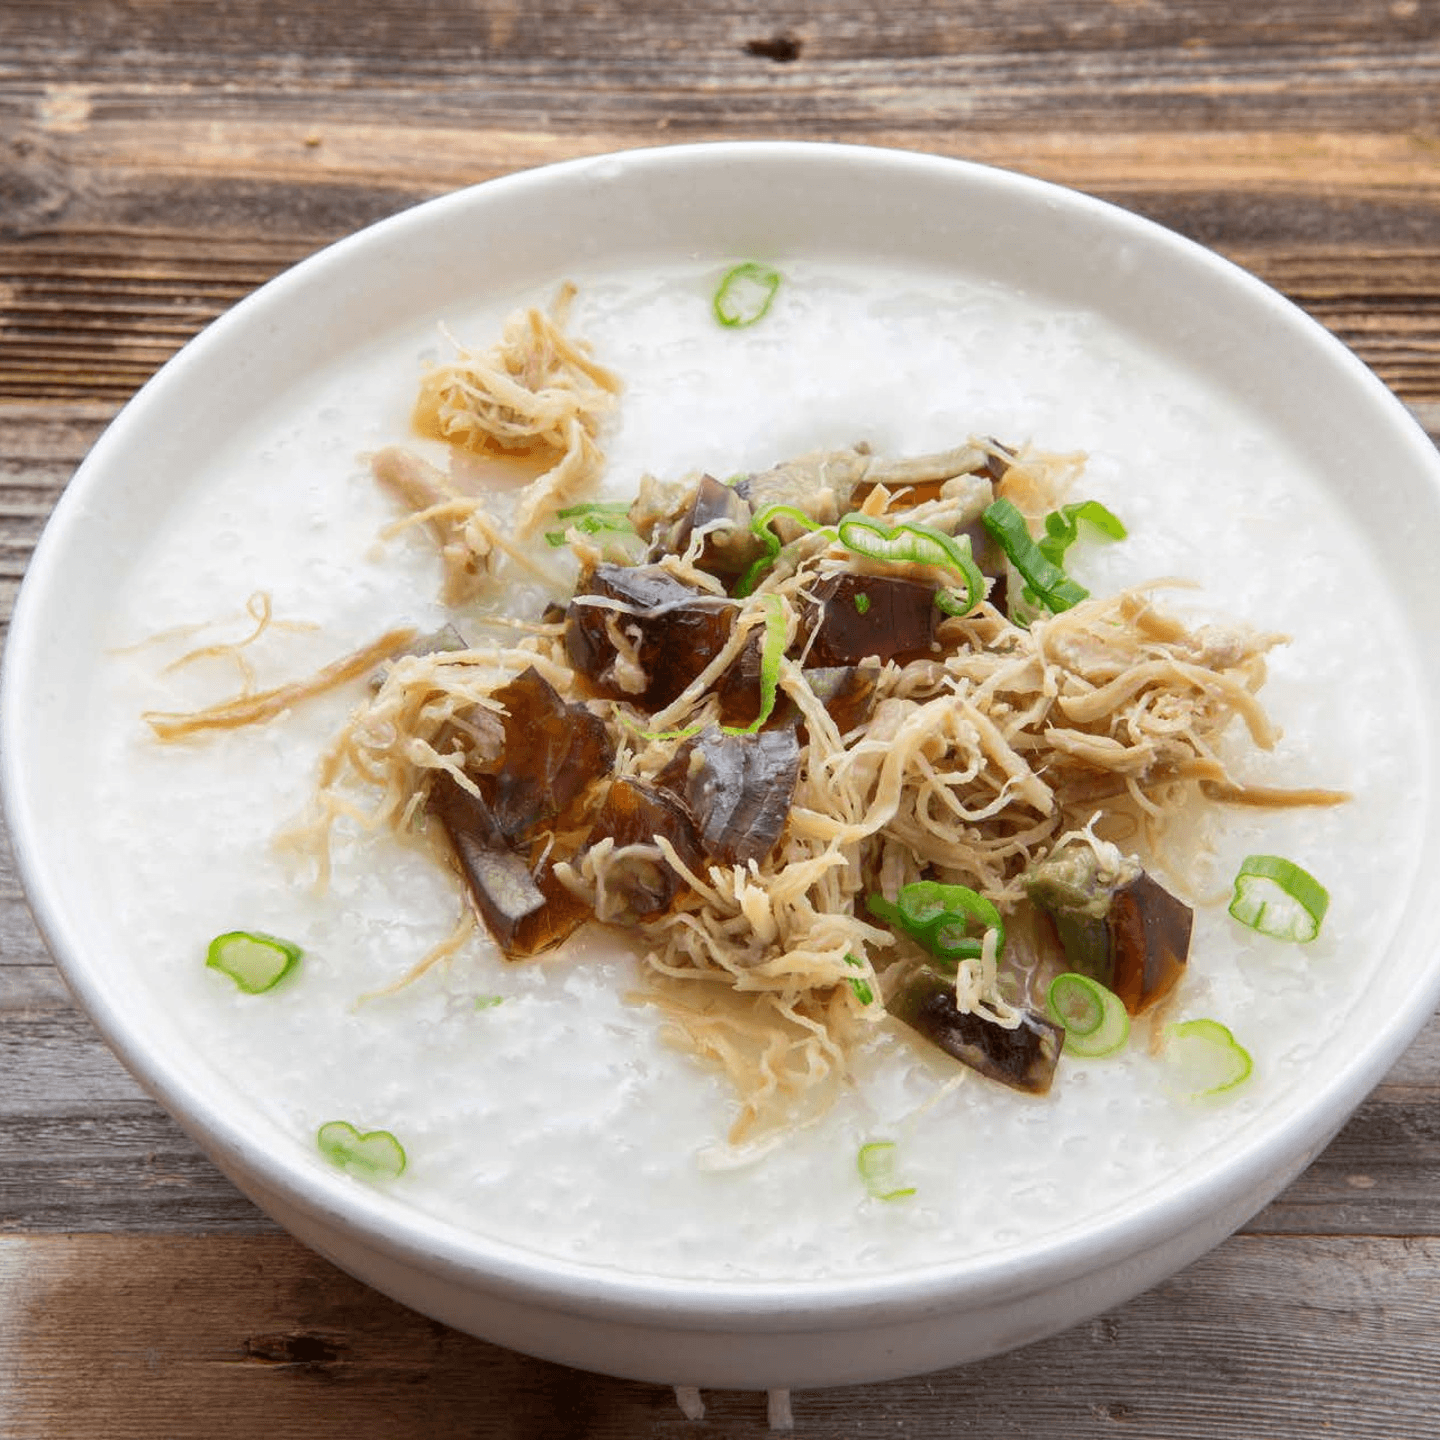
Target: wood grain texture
(159,159)
(207,1336)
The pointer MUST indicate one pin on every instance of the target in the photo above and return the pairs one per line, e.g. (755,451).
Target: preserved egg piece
(724,518)
(739,790)
(637,633)
(501,887)
(556,919)
(846,691)
(640,884)
(1023,1058)
(1114,923)
(859,617)
(1150,930)
(522,905)
(738,689)
(551,752)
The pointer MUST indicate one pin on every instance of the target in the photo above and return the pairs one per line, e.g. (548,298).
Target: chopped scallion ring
(1275,897)
(760,528)
(744,294)
(1205,1058)
(938,918)
(255,962)
(1095,1019)
(375,1155)
(876,1163)
(916,544)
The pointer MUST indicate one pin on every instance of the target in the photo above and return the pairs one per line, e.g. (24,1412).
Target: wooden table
(160,158)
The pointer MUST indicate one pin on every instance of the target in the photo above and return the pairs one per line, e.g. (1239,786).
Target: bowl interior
(348,311)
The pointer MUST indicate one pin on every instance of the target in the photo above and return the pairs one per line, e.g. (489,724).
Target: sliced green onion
(938,918)
(760,528)
(772,651)
(876,1163)
(684,734)
(863,990)
(376,1155)
(1275,897)
(1205,1058)
(255,962)
(488,1002)
(595,507)
(1050,585)
(599,517)
(862,604)
(1095,1019)
(744,294)
(916,544)
(1062,527)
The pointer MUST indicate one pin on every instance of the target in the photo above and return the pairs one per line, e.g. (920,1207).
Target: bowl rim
(445,1249)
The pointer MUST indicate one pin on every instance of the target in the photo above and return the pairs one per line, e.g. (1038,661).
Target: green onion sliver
(917,544)
(760,528)
(255,962)
(1062,527)
(876,1163)
(1205,1058)
(744,294)
(1095,1019)
(1275,897)
(772,651)
(599,517)
(376,1155)
(1052,587)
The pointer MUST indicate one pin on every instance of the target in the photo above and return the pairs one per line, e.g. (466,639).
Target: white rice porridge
(559,1120)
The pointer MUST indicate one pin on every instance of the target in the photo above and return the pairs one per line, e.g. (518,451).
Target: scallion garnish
(1062,527)
(744,294)
(938,918)
(772,651)
(375,1155)
(916,544)
(598,517)
(488,1002)
(1205,1058)
(862,604)
(1045,580)
(1095,1019)
(1275,897)
(876,1163)
(862,989)
(255,962)
(760,528)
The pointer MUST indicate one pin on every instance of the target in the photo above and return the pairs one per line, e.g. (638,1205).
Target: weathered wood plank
(1184,65)
(133,1337)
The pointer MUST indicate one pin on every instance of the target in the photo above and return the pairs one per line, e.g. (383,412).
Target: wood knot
(295,1347)
(783,49)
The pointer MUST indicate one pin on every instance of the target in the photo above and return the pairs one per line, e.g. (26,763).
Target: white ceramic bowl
(775,200)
